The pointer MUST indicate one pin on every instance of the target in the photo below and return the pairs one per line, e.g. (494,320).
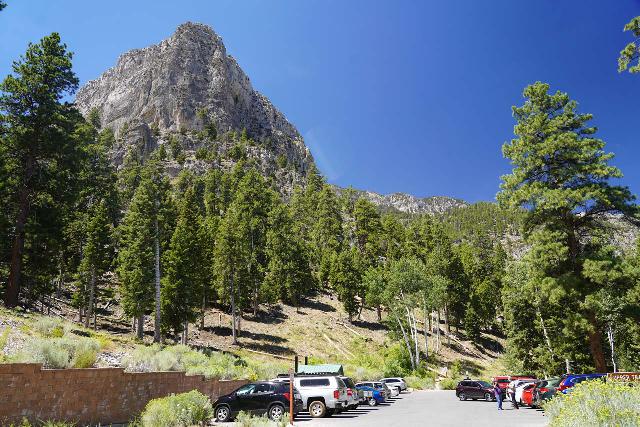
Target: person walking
(512,393)
(498,393)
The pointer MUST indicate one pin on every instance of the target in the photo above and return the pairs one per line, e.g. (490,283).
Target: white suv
(322,395)
(395,382)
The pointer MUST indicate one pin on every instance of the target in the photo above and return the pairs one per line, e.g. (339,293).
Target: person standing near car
(498,393)
(512,393)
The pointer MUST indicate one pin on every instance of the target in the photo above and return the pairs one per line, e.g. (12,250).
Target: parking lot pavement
(431,408)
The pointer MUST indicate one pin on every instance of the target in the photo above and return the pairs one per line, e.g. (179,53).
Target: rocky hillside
(187,91)
(407,203)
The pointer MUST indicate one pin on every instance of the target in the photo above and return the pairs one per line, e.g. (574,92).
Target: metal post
(295,363)
(306,360)
(291,396)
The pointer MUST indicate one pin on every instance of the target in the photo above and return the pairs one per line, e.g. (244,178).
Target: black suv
(271,398)
(469,389)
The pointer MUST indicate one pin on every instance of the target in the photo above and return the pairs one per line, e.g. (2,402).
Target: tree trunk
(379,312)
(613,354)
(595,345)
(406,341)
(12,290)
(426,333)
(438,330)
(204,307)
(92,295)
(60,278)
(140,327)
(233,311)
(156,325)
(185,333)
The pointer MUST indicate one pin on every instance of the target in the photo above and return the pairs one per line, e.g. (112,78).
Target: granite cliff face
(407,203)
(179,88)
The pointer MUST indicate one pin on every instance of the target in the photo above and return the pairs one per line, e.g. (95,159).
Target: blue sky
(411,96)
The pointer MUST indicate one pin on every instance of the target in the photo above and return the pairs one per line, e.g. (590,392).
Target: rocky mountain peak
(183,86)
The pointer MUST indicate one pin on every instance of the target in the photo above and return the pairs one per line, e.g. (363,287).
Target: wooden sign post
(291,396)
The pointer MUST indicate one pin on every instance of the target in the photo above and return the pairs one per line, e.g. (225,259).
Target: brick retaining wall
(91,396)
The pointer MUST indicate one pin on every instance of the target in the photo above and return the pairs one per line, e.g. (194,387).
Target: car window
(315,382)
(484,384)
(554,382)
(341,383)
(262,389)
(349,382)
(245,389)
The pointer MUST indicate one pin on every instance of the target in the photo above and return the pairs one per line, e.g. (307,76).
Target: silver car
(395,382)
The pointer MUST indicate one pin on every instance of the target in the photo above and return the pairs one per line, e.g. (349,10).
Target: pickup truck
(322,395)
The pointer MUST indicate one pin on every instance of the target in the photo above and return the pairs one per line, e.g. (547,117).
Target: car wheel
(488,397)
(462,396)
(276,412)
(372,402)
(223,414)
(317,409)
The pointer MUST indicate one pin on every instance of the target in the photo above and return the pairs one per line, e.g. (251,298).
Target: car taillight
(349,392)
(336,394)
(287,396)
(543,390)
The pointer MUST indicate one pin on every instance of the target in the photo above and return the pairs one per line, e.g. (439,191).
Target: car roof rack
(315,374)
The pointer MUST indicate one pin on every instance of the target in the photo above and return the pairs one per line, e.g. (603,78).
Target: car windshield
(504,381)
(348,382)
(554,382)
(484,384)
(246,389)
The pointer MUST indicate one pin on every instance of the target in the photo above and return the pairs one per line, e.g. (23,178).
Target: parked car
(353,394)
(370,395)
(504,380)
(268,397)
(571,380)
(522,387)
(322,395)
(545,391)
(519,388)
(395,382)
(527,393)
(471,389)
(378,385)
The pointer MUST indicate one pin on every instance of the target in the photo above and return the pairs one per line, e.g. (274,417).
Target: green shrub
(182,358)
(60,353)
(595,403)
(26,423)
(50,327)
(245,420)
(426,381)
(448,384)
(184,409)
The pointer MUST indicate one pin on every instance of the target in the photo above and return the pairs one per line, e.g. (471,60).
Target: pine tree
(185,276)
(40,157)
(561,176)
(97,256)
(631,52)
(346,278)
(145,233)
(229,258)
(287,276)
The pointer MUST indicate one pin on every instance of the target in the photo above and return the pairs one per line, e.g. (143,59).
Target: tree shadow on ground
(268,348)
(315,304)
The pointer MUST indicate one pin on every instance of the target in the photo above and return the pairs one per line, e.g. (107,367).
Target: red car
(504,380)
(527,393)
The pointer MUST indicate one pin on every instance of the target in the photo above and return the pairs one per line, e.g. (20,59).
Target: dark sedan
(469,389)
(271,398)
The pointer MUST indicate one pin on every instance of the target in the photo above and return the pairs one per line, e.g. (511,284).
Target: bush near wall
(178,410)
(596,403)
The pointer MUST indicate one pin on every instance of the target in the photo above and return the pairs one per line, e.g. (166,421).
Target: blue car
(570,380)
(370,395)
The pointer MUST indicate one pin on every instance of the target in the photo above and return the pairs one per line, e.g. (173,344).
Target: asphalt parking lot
(431,408)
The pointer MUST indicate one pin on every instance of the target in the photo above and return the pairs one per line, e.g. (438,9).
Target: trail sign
(625,377)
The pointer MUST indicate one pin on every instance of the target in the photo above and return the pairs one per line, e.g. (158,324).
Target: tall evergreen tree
(287,276)
(145,233)
(631,52)
(185,278)
(97,257)
(40,155)
(561,175)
